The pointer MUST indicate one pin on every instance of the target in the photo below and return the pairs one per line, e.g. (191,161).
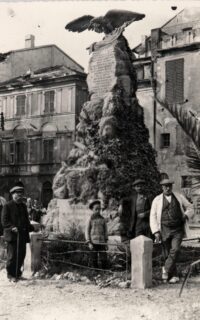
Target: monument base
(62,216)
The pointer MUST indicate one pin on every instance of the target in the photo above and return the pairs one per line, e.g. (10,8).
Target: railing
(48,252)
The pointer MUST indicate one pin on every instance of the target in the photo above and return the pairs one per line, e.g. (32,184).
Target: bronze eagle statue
(112,20)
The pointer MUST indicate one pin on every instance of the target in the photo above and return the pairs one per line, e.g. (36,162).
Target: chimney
(29,41)
(155,41)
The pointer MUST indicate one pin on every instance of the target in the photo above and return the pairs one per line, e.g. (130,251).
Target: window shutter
(33,150)
(174,90)
(12,152)
(21,151)
(179,80)
(17,151)
(52,93)
(34,103)
(45,150)
(21,105)
(51,145)
(48,153)
(49,101)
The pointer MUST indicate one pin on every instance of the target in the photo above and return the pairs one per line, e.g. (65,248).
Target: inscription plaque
(102,68)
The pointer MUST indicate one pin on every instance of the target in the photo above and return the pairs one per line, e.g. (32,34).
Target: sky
(46,20)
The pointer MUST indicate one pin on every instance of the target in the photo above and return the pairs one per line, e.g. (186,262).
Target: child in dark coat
(96,235)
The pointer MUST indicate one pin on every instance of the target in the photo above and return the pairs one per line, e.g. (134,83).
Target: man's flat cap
(16,189)
(166,181)
(138,181)
(93,202)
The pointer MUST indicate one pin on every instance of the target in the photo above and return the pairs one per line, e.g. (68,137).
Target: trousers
(170,250)
(16,252)
(99,256)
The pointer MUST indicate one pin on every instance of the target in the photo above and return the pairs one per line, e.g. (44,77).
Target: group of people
(35,211)
(163,219)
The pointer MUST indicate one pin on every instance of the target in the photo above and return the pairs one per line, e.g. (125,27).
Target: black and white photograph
(100,160)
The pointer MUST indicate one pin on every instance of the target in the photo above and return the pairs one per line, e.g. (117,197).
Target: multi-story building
(171,56)
(41,93)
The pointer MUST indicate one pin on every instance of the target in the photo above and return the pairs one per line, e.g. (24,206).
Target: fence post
(36,245)
(141,262)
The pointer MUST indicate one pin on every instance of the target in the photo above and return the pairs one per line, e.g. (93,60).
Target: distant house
(41,93)
(171,56)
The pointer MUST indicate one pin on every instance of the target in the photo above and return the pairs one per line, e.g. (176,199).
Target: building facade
(40,96)
(170,59)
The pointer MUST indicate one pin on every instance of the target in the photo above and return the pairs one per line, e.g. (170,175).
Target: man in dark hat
(169,214)
(96,235)
(137,207)
(16,228)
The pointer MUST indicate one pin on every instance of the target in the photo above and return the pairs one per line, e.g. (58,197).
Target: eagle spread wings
(113,19)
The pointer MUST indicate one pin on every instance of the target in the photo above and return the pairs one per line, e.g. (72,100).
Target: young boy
(96,234)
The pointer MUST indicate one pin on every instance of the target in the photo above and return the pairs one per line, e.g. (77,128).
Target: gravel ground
(61,300)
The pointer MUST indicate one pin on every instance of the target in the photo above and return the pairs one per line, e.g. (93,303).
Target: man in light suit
(170,212)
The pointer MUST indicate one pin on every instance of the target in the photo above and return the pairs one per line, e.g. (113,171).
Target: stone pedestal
(36,245)
(141,262)
(61,216)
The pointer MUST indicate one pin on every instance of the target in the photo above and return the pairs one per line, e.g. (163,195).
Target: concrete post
(141,262)
(36,245)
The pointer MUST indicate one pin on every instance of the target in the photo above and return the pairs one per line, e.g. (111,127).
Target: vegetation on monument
(127,156)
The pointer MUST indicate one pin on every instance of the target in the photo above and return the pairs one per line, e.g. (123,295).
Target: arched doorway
(47,193)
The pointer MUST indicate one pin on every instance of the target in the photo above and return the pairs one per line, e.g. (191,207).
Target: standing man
(138,208)
(170,212)
(16,228)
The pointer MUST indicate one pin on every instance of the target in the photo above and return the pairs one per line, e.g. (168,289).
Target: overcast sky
(47,19)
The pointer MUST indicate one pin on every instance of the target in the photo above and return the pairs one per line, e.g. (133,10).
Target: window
(174,89)
(186,182)
(21,101)
(147,72)
(33,150)
(165,140)
(49,102)
(20,151)
(12,152)
(48,145)
(140,73)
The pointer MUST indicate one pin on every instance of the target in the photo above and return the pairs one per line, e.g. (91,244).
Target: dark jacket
(147,207)
(14,215)
(128,210)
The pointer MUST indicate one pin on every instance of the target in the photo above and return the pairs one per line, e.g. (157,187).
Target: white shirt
(169,198)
